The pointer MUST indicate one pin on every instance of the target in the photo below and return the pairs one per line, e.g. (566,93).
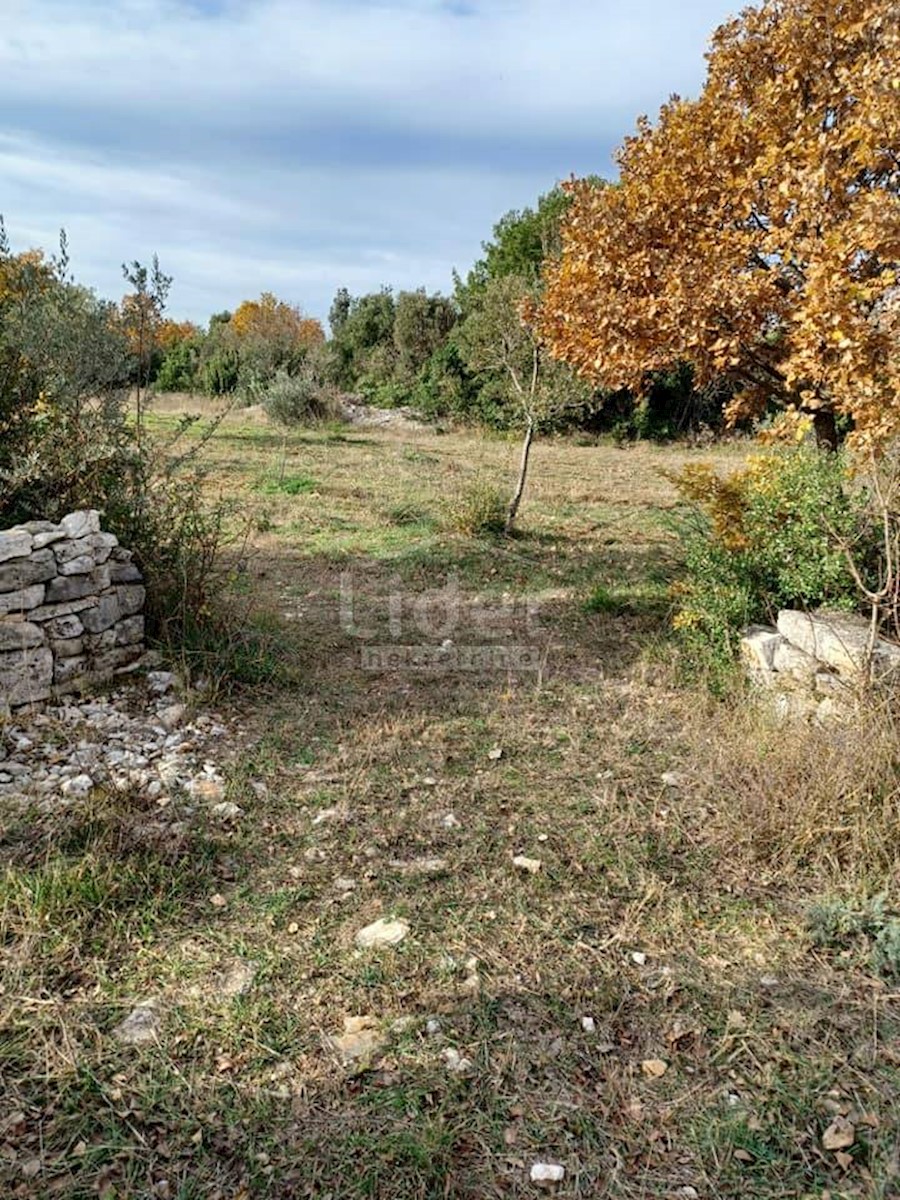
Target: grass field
(646,1008)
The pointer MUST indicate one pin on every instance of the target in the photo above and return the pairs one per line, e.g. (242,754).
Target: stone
(23,600)
(545,1173)
(791,660)
(757,646)
(523,863)
(80,524)
(840,640)
(828,684)
(20,573)
(130,631)
(172,716)
(78,566)
(73,587)
(588,1024)
(67,647)
(25,677)
(382,933)
(46,537)
(140,1026)
(51,612)
(18,635)
(80,785)
(227,810)
(433,1027)
(65,670)
(455,1062)
(672,779)
(106,613)
(15,543)
(66,626)
(161,682)
(131,599)
(124,572)
(237,979)
(207,788)
(361,1042)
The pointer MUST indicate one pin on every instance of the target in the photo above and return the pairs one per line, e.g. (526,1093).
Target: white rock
(672,779)
(449,821)
(80,524)
(172,716)
(639,958)
(141,1025)
(80,785)
(547,1173)
(523,863)
(360,1043)
(455,1062)
(161,681)
(382,933)
(588,1024)
(838,639)
(227,810)
(758,645)
(433,1027)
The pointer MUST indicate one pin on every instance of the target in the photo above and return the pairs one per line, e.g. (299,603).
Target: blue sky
(298,146)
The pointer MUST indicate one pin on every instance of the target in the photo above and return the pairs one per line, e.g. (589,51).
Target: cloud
(303,145)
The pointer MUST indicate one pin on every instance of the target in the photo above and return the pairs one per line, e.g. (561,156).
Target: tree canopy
(756,230)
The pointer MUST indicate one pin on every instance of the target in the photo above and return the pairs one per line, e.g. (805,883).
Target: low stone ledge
(813,665)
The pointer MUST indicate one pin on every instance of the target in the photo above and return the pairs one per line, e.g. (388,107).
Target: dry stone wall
(71,609)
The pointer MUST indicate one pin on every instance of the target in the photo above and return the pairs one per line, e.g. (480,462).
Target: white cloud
(321,142)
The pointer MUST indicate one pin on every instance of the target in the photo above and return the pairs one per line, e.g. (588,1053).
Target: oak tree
(755,232)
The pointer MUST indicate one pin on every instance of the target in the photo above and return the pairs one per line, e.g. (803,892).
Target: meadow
(639,1000)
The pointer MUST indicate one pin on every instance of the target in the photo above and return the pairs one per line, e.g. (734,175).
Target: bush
(479,510)
(763,538)
(71,439)
(299,400)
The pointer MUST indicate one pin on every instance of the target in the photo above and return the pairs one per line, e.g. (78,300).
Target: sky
(299,146)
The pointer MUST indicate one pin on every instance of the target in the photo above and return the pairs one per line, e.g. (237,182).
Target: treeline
(441,355)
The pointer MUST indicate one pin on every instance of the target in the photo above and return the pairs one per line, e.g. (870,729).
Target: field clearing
(644,1008)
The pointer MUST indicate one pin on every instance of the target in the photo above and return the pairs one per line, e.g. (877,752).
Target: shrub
(478,510)
(765,537)
(299,400)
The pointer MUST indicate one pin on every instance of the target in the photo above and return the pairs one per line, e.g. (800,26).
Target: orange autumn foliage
(755,232)
(269,319)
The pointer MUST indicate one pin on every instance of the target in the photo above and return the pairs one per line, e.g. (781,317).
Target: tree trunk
(523,472)
(825,428)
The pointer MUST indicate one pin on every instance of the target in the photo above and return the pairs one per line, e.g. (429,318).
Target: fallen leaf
(743,1156)
(840,1134)
(654,1068)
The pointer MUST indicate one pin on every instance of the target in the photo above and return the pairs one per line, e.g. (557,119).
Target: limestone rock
(791,660)
(131,599)
(103,616)
(758,645)
(18,635)
(15,543)
(80,524)
(22,572)
(382,933)
(22,601)
(361,1042)
(25,677)
(73,587)
(840,640)
(140,1026)
(546,1173)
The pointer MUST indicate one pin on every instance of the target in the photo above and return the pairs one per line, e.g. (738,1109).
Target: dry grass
(673,917)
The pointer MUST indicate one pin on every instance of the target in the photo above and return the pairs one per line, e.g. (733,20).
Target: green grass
(107,902)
